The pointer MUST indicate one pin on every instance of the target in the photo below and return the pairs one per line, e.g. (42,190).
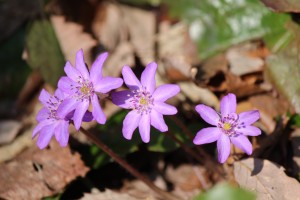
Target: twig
(127,166)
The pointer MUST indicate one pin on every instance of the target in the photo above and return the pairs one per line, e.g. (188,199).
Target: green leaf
(219,24)
(44,51)
(226,192)
(14,70)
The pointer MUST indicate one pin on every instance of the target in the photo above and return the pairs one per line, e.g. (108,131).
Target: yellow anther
(143,101)
(227,126)
(85,90)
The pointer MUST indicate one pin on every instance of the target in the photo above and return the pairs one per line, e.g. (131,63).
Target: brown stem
(127,166)
(211,165)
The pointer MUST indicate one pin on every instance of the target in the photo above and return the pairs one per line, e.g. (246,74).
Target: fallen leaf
(242,62)
(108,25)
(71,38)
(38,173)
(9,130)
(108,195)
(141,27)
(266,179)
(283,5)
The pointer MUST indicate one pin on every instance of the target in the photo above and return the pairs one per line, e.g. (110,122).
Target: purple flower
(147,103)
(230,127)
(82,87)
(49,123)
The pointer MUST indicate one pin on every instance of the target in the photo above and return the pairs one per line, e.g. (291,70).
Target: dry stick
(127,166)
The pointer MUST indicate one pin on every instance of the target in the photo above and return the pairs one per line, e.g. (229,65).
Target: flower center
(142,101)
(226,126)
(84,90)
(229,123)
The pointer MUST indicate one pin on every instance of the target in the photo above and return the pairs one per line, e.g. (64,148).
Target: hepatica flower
(82,86)
(147,102)
(49,123)
(230,127)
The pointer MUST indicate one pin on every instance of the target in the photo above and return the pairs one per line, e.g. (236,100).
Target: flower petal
(71,71)
(228,104)
(59,94)
(88,116)
(44,97)
(130,123)
(80,64)
(223,146)
(164,92)
(79,113)
(208,114)
(96,69)
(157,120)
(45,136)
(144,128)
(130,79)
(62,133)
(207,135)
(97,110)
(148,77)
(122,98)
(249,130)
(249,117)
(164,108)
(41,125)
(107,84)
(67,106)
(243,143)
(66,84)
(42,115)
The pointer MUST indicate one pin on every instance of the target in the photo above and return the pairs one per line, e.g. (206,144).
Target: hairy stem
(127,166)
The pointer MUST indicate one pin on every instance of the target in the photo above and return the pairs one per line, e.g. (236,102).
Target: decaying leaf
(266,179)
(283,5)
(38,173)
(9,130)
(242,61)
(72,38)
(108,195)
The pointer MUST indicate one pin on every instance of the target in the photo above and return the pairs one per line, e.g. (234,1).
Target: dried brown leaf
(9,130)
(283,5)
(266,179)
(38,173)
(72,38)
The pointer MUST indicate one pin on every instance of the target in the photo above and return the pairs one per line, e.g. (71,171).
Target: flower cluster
(77,100)
(80,89)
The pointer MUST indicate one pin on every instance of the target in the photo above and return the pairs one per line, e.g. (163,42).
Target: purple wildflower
(147,103)
(82,87)
(49,123)
(230,127)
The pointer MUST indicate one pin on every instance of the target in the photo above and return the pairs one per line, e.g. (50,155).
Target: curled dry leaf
(38,173)
(71,38)
(266,179)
